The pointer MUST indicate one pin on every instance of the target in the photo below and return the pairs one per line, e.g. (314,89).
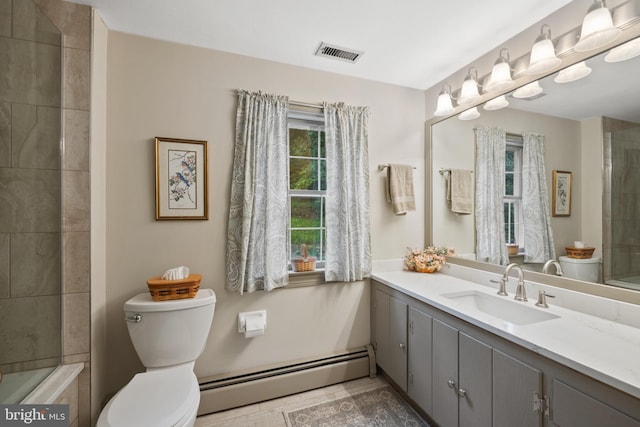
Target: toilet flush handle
(136,318)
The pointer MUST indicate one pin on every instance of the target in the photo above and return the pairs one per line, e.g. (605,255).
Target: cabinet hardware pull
(462,392)
(402,346)
(451,383)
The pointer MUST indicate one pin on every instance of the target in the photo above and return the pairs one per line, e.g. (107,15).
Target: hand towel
(460,191)
(400,188)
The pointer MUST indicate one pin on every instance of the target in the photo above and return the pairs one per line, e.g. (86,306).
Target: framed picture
(561,196)
(181,179)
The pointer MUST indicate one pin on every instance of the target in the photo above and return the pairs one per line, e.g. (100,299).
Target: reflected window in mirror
(513,223)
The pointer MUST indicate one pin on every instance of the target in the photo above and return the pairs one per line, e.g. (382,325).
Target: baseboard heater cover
(254,387)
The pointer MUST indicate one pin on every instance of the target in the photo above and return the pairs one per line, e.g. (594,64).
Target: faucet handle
(503,286)
(542,299)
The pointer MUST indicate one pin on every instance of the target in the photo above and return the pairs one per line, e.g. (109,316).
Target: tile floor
(270,413)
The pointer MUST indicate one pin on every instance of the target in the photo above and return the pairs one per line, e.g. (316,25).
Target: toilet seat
(165,397)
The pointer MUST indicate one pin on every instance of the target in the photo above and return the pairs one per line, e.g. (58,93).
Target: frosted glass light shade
(444,106)
(500,77)
(469,92)
(625,51)
(496,103)
(470,114)
(597,28)
(573,73)
(543,57)
(528,90)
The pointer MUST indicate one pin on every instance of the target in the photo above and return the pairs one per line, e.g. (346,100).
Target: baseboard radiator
(228,392)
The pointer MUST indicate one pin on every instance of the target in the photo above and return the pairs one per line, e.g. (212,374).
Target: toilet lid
(156,398)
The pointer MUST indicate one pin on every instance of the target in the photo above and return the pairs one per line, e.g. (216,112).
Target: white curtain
(257,236)
(490,187)
(348,256)
(538,235)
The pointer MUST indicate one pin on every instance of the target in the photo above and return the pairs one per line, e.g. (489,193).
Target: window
(307,185)
(513,224)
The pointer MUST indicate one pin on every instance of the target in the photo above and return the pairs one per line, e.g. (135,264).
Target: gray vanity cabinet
(420,358)
(461,378)
(571,407)
(390,340)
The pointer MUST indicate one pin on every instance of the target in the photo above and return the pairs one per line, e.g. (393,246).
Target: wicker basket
(164,290)
(306,263)
(579,253)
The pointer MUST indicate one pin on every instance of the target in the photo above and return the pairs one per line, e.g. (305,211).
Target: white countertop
(604,346)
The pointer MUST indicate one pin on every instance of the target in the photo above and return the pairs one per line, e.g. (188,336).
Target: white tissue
(176,273)
(578,244)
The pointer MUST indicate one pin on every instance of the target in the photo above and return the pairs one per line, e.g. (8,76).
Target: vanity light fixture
(528,90)
(500,78)
(597,28)
(573,73)
(469,92)
(625,51)
(444,107)
(543,54)
(496,103)
(470,114)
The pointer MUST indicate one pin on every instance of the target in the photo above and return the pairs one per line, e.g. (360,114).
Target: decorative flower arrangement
(427,260)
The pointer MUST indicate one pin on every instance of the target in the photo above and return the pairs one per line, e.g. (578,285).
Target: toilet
(587,269)
(168,337)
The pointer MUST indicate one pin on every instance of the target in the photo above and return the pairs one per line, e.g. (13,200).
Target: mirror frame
(630,30)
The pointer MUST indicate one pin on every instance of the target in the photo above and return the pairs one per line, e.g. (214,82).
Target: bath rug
(380,407)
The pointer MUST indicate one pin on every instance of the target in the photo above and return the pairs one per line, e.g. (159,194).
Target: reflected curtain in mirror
(490,189)
(538,234)
(257,237)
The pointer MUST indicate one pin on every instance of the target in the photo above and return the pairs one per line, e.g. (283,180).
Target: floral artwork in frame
(561,196)
(181,179)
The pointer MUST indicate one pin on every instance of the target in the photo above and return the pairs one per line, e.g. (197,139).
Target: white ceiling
(412,43)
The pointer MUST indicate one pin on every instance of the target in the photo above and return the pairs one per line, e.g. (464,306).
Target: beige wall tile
(35,137)
(4,264)
(76,323)
(77,66)
(74,20)
(5,134)
(5,18)
(18,68)
(77,261)
(76,213)
(76,140)
(48,75)
(35,264)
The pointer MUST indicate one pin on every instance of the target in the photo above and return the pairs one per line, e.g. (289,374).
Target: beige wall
(157,88)
(453,147)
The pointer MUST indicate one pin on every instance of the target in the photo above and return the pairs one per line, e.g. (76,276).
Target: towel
(400,188)
(460,191)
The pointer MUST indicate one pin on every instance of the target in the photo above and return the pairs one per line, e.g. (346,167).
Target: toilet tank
(587,269)
(166,333)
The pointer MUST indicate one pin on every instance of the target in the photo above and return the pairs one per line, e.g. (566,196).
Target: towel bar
(384,166)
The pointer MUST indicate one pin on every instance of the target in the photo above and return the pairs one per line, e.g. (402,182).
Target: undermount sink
(497,306)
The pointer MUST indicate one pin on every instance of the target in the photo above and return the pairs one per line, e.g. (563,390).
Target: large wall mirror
(591,130)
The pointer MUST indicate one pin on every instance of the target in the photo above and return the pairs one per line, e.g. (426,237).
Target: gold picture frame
(181,179)
(561,195)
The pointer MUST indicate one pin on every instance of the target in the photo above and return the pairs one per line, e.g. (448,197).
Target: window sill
(300,279)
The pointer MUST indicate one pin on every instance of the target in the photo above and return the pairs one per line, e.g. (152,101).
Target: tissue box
(164,290)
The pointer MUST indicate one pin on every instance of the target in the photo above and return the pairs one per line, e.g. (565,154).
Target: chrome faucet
(521,294)
(545,267)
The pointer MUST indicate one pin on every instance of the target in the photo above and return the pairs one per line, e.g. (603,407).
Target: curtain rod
(306,104)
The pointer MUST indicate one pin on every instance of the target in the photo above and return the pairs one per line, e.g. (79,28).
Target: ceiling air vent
(336,52)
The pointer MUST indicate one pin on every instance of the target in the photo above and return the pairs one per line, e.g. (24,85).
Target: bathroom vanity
(469,357)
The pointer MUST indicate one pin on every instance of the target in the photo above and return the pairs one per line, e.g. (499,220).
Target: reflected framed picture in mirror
(561,194)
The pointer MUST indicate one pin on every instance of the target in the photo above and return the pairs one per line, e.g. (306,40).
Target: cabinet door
(514,385)
(397,368)
(445,374)
(381,328)
(474,388)
(571,407)
(419,387)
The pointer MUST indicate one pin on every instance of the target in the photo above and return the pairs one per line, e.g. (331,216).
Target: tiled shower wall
(624,194)
(18,117)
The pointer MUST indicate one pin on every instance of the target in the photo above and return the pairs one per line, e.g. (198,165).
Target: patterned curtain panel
(536,213)
(348,241)
(490,187)
(257,237)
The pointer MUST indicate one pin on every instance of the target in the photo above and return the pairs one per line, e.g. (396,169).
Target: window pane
(323,153)
(311,238)
(323,175)
(509,161)
(306,212)
(508,184)
(303,174)
(303,142)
